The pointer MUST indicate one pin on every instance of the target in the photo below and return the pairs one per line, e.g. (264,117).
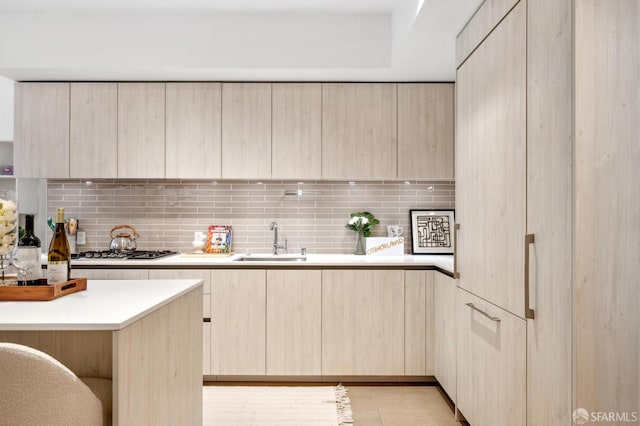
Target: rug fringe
(343,405)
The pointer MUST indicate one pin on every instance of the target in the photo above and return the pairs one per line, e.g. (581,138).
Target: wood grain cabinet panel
(293,322)
(362,322)
(444,335)
(238,321)
(425,131)
(193,145)
(246,130)
(418,323)
(491,165)
(41,146)
(297,131)
(492,360)
(111,274)
(200,274)
(359,131)
(141,130)
(94,130)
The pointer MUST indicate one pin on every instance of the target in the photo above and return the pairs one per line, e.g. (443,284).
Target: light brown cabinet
(444,333)
(93,135)
(492,359)
(362,322)
(205,276)
(238,309)
(425,130)
(141,130)
(193,125)
(419,324)
(297,131)
(246,130)
(41,146)
(491,159)
(359,131)
(293,322)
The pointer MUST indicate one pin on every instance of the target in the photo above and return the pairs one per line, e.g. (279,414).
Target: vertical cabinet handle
(456,229)
(528,312)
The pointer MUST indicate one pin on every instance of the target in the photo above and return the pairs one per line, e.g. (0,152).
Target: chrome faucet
(276,247)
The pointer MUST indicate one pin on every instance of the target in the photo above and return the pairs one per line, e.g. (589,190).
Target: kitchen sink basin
(271,258)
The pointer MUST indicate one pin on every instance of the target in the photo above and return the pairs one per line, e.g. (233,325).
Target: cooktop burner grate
(134,255)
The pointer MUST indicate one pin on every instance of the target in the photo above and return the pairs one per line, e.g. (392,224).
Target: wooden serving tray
(42,292)
(207,254)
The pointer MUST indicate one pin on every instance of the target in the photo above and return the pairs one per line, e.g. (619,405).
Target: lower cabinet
(363,322)
(111,274)
(205,275)
(491,363)
(293,322)
(444,333)
(418,323)
(238,306)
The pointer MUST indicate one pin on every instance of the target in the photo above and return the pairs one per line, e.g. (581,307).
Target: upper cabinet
(93,134)
(297,131)
(194,126)
(359,123)
(41,146)
(425,131)
(333,131)
(246,130)
(141,126)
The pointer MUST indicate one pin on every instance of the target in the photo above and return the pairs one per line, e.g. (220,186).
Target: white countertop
(105,305)
(444,262)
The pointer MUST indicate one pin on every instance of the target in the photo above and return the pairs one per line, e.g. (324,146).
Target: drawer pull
(528,312)
(206,319)
(456,229)
(472,306)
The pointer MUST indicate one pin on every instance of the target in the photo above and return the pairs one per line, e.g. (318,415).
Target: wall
(166,213)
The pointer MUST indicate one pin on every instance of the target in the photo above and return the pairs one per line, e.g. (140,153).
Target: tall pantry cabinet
(513,205)
(572,277)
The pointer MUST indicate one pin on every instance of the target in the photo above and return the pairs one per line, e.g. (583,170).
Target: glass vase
(8,231)
(360,246)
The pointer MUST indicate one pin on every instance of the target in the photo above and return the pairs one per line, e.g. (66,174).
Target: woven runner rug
(276,406)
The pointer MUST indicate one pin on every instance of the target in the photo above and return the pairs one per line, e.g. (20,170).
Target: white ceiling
(248,40)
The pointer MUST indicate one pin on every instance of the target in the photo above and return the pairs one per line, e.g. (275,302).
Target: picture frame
(432,231)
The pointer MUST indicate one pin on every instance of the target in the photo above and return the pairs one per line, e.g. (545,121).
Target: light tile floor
(400,406)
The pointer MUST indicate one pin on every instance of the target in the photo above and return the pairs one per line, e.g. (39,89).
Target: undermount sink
(271,258)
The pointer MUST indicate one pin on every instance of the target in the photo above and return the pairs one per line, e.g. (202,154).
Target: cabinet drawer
(491,362)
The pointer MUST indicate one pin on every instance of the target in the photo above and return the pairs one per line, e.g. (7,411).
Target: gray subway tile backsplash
(167,213)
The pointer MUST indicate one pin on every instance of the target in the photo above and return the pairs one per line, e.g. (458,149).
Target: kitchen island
(145,335)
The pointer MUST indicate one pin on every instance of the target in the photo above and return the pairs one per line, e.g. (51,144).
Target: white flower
(353,220)
(364,220)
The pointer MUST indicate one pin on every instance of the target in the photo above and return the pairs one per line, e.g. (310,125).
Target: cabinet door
(362,322)
(111,274)
(193,144)
(425,131)
(359,131)
(200,274)
(246,130)
(41,146)
(492,362)
(491,165)
(418,323)
(94,130)
(444,335)
(141,124)
(238,320)
(293,322)
(297,131)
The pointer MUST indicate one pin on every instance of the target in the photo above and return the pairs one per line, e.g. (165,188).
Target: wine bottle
(29,239)
(59,258)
